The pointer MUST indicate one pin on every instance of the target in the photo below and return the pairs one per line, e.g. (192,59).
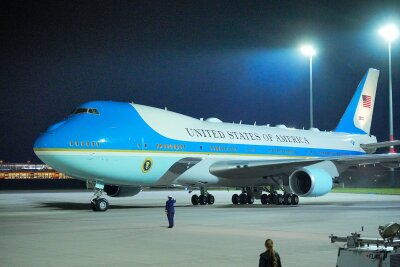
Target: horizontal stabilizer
(371,148)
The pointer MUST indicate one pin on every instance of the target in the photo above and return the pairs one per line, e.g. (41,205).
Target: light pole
(309,51)
(390,33)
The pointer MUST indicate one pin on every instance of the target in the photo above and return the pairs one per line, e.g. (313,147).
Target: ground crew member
(170,210)
(270,258)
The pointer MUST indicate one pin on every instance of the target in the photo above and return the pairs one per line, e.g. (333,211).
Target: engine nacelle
(121,191)
(312,181)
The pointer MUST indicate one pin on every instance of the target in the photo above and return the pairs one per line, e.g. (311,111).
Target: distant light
(389,32)
(308,50)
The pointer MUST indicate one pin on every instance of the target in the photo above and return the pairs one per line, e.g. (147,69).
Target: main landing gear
(243,198)
(247,197)
(279,199)
(98,203)
(204,198)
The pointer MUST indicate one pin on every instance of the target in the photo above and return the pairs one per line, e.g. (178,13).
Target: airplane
(120,148)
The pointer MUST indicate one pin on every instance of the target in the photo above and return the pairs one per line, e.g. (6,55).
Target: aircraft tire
(101,204)
(235,199)
(250,199)
(93,205)
(210,199)
(264,199)
(295,199)
(195,200)
(271,198)
(203,200)
(243,198)
(287,199)
(279,199)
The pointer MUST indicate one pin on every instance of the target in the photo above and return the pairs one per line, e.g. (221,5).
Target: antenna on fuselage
(255,123)
(240,122)
(165,108)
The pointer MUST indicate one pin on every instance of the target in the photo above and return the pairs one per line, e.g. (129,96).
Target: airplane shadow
(87,206)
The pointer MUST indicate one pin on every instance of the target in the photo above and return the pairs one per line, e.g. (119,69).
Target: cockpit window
(85,110)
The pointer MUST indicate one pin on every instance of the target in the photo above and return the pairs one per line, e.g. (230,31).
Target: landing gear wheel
(250,199)
(195,200)
(271,198)
(243,199)
(264,199)
(203,200)
(235,199)
(210,199)
(287,199)
(295,199)
(279,199)
(101,204)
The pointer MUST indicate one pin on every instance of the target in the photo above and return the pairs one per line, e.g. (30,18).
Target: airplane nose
(46,140)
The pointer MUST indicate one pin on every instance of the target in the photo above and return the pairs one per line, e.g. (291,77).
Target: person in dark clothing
(270,258)
(170,210)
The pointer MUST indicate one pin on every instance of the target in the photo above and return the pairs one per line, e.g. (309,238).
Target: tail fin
(358,116)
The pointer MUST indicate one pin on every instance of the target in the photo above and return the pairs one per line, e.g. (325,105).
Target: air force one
(121,148)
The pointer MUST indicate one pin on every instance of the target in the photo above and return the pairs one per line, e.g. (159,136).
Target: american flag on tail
(366,101)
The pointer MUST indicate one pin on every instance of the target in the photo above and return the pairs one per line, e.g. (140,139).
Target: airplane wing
(237,169)
(371,148)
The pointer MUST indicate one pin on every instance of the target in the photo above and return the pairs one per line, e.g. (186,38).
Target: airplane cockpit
(85,110)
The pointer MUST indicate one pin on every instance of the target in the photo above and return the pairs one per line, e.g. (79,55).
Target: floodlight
(389,32)
(308,50)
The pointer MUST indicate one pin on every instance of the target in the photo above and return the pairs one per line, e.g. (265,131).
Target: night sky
(234,60)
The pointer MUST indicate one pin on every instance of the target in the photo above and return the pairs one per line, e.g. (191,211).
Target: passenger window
(76,143)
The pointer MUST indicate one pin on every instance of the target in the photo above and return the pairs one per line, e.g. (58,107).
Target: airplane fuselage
(131,144)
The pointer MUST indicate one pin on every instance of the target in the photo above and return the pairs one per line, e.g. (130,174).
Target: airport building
(27,176)
(29,171)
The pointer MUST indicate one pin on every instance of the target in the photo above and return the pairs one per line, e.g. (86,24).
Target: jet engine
(313,181)
(121,191)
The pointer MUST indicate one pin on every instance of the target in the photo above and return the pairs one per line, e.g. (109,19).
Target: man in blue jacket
(170,210)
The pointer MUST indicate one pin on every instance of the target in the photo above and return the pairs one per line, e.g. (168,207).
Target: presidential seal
(147,164)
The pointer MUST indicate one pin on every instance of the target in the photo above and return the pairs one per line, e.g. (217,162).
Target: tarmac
(59,229)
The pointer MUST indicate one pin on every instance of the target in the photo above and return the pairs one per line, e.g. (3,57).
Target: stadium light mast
(309,51)
(390,33)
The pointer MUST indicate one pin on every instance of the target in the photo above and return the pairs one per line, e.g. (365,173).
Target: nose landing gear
(98,203)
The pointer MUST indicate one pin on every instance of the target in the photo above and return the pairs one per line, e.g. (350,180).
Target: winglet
(358,116)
